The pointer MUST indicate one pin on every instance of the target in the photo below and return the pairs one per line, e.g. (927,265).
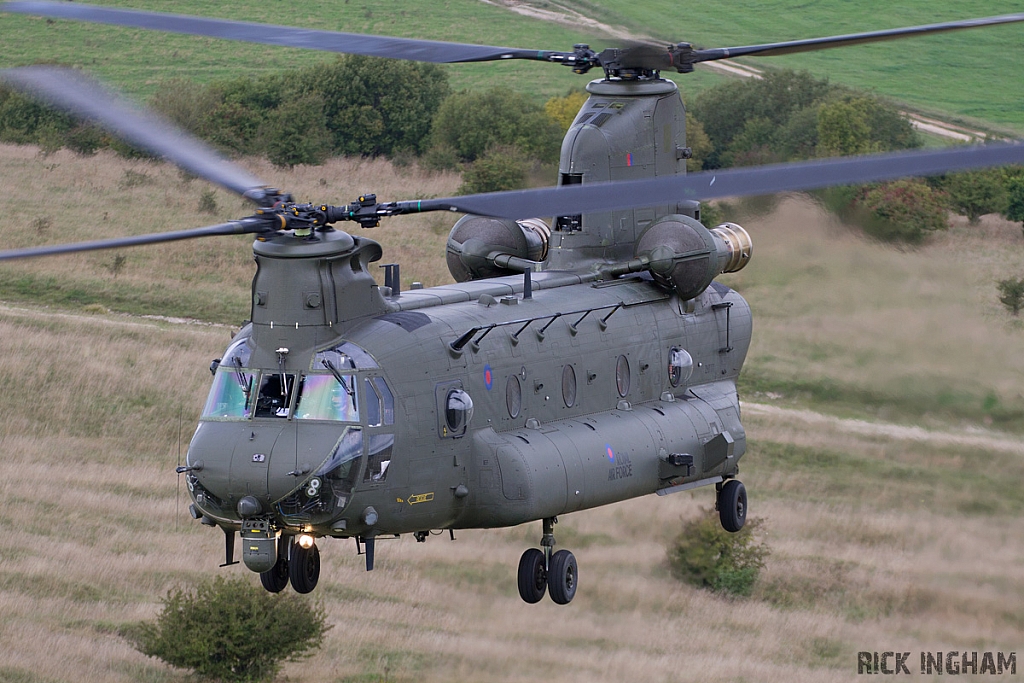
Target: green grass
(970,75)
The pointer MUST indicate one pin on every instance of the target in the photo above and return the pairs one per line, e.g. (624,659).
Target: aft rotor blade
(283,36)
(76,94)
(793,46)
(239,227)
(735,182)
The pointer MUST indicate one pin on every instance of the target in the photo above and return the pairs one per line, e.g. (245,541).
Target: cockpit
(343,384)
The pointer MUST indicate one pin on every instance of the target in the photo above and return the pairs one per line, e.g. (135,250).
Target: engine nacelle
(686,256)
(474,238)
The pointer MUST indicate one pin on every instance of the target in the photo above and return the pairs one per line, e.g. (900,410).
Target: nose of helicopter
(246,462)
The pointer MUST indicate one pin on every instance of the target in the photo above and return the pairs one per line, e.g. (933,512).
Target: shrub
(500,168)
(1011,294)
(229,629)
(902,211)
(707,556)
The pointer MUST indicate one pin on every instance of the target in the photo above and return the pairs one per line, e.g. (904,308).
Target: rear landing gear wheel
(304,568)
(275,580)
(563,576)
(732,505)
(533,577)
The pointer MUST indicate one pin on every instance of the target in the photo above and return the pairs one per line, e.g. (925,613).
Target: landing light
(305,541)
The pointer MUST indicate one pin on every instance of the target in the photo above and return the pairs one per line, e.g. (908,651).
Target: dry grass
(877,542)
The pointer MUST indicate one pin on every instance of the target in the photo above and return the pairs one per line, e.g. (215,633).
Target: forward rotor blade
(239,227)
(793,46)
(283,36)
(736,182)
(76,94)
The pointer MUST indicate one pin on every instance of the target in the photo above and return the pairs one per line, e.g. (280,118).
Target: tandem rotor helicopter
(572,364)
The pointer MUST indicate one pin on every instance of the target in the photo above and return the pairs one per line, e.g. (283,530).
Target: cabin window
(568,386)
(458,411)
(513,396)
(327,397)
(680,366)
(622,376)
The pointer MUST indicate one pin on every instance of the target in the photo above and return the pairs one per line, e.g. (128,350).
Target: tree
(231,630)
(903,211)
(472,122)
(843,129)
(563,110)
(1011,294)
(698,142)
(296,132)
(377,106)
(975,193)
(1013,183)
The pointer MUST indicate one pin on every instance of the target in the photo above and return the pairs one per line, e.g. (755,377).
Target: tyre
(562,577)
(732,505)
(276,580)
(304,568)
(533,577)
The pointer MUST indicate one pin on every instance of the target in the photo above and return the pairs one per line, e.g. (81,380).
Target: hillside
(969,75)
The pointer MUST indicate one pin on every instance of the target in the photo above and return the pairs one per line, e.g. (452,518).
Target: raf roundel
(488,377)
(610,452)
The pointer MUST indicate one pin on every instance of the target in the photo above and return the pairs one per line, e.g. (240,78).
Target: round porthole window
(680,366)
(458,410)
(622,376)
(569,386)
(513,396)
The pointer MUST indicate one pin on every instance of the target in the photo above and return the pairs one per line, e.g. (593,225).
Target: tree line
(407,111)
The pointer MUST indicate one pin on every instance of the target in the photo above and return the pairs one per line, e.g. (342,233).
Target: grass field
(970,75)
(883,537)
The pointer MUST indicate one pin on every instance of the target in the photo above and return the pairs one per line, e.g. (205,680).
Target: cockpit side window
(327,397)
(380,404)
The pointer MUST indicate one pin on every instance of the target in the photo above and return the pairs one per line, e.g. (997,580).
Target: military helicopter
(572,364)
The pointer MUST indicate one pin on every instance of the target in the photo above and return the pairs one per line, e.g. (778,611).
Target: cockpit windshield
(231,394)
(327,397)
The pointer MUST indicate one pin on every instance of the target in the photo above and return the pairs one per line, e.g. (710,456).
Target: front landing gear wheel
(275,580)
(533,577)
(304,568)
(563,576)
(732,505)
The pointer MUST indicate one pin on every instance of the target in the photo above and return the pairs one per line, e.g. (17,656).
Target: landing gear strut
(555,573)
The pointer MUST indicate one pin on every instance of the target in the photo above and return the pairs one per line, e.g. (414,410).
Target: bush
(500,168)
(902,211)
(707,556)
(1011,294)
(230,629)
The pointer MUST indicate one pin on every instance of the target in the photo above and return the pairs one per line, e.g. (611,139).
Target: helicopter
(573,363)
